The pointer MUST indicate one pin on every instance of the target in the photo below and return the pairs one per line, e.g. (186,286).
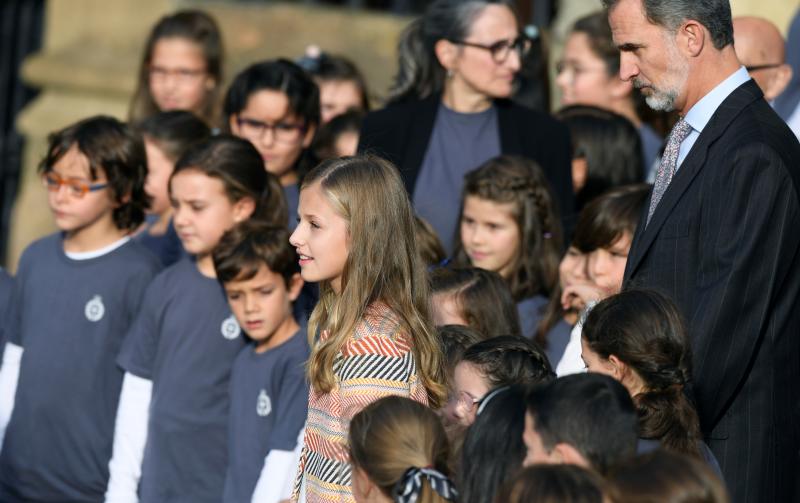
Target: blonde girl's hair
(383,265)
(395,434)
(521,182)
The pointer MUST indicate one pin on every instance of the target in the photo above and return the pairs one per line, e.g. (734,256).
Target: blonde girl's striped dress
(375,362)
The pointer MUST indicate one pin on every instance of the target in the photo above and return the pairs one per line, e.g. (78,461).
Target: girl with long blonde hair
(371,330)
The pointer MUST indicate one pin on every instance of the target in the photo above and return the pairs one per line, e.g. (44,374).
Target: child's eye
(266,291)
(313,225)
(233,296)
(198,207)
(493,227)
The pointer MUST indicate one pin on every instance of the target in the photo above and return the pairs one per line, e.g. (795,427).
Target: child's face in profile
(490,234)
(469,386)
(446,310)
(159,168)
(279,136)
(337,97)
(321,238)
(263,306)
(606,266)
(76,207)
(179,78)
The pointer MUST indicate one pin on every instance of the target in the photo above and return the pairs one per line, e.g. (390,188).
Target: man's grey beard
(660,101)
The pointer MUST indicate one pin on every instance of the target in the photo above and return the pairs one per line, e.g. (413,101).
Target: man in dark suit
(721,235)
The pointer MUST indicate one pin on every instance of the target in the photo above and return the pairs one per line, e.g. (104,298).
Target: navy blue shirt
(184,340)
(167,247)
(292,194)
(6,288)
(70,317)
(530,314)
(269,405)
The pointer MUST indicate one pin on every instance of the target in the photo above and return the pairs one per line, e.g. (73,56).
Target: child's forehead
(252,279)
(73,164)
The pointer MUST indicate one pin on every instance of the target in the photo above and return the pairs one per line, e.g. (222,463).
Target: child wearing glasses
(76,293)
(275,105)
(181,68)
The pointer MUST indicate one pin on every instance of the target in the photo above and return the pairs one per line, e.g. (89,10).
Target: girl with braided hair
(508,224)
(399,453)
(638,338)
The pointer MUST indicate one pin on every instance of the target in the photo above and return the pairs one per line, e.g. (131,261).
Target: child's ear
(295,285)
(309,135)
(243,208)
(567,454)
(233,125)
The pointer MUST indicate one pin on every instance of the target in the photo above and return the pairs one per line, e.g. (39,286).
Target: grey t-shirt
(269,404)
(459,143)
(70,316)
(184,340)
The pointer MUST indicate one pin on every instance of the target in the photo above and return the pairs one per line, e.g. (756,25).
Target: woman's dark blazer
(401,133)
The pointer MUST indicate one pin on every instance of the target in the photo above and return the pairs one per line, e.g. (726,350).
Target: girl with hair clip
(492,451)
(638,338)
(476,298)
(597,256)
(275,105)
(342,87)
(181,68)
(355,237)
(493,363)
(450,109)
(554,484)
(508,224)
(399,453)
(171,433)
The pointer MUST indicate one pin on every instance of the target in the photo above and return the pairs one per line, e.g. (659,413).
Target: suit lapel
(421,122)
(508,130)
(691,166)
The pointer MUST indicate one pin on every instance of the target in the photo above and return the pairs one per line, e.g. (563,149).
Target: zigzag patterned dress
(377,361)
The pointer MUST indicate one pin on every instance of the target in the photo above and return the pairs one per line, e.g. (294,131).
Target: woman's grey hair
(419,73)
(715,15)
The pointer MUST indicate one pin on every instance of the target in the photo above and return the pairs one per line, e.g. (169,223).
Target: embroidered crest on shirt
(264,404)
(95,309)
(230,328)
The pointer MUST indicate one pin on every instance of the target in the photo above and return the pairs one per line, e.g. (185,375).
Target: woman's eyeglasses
(76,188)
(502,49)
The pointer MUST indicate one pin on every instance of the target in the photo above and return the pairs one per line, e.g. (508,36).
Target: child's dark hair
(609,143)
(591,412)
(240,168)
(483,298)
(455,339)
(331,68)
(666,476)
(508,179)
(428,242)
(198,27)
(644,330)
(600,224)
(510,359)
(113,148)
(324,146)
(173,131)
(545,483)
(250,245)
(493,451)
(283,76)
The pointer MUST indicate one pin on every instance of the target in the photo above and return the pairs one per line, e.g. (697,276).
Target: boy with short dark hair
(260,272)
(76,293)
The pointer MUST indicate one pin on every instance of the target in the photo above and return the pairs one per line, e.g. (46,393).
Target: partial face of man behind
(761,49)
(649,56)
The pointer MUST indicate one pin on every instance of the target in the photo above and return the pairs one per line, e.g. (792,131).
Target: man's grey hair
(715,15)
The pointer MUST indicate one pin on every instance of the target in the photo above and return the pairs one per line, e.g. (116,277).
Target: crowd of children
(236,308)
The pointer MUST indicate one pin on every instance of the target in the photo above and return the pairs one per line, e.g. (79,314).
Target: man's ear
(569,455)
(692,38)
(777,84)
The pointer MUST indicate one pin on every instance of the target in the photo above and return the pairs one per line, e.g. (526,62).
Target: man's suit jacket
(724,243)
(401,133)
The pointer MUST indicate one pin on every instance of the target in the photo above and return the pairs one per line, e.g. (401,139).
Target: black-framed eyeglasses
(501,49)
(755,68)
(282,131)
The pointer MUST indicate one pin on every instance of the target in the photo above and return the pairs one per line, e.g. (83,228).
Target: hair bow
(410,485)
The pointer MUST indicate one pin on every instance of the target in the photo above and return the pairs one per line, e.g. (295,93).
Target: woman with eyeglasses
(275,105)
(450,111)
(588,74)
